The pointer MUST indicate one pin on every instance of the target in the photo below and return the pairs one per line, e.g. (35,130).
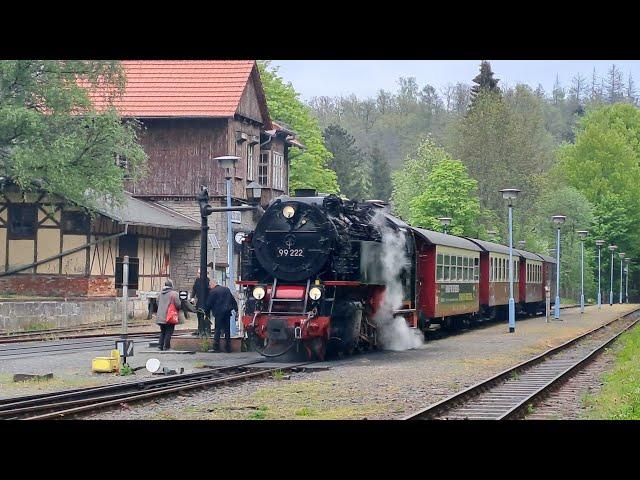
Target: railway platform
(386,384)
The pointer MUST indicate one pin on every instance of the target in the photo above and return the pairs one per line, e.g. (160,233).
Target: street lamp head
(558,220)
(613,248)
(510,194)
(600,243)
(445,221)
(254,192)
(522,243)
(621,254)
(627,260)
(227,162)
(582,234)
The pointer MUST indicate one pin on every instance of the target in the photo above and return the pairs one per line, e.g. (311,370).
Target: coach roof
(437,238)
(546,258)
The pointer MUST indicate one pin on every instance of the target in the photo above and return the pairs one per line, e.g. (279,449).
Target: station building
(191,113)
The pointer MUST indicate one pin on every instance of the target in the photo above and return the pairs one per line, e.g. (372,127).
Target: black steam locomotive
(314,274)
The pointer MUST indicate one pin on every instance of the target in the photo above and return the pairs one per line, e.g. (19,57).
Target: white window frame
(268,165)
(278,171)
(250,163)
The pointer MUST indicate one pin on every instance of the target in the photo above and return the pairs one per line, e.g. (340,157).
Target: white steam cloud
(393,331)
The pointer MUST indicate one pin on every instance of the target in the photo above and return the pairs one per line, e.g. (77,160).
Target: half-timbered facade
(192,112)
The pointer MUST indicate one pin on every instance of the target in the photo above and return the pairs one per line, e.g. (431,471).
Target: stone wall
(32,315)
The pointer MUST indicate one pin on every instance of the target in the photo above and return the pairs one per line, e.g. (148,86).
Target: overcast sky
(365,77)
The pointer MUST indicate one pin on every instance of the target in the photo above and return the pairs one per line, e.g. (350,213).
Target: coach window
(476,269)
(445,276)
(22,221)
(460,269)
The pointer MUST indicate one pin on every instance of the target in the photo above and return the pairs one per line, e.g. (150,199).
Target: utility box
(106,364)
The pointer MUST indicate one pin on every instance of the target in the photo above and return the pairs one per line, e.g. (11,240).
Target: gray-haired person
(167,297)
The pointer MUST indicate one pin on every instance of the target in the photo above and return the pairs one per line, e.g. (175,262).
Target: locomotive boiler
(315,273)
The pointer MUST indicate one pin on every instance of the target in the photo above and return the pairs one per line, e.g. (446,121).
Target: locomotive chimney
(306,192)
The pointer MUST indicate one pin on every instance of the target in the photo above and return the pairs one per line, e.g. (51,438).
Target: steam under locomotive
(313,268)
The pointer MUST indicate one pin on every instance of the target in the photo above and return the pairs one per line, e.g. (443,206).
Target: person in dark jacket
(167,296)
(204,324)
(220,304)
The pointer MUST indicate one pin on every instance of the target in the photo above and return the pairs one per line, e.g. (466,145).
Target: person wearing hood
(167,297)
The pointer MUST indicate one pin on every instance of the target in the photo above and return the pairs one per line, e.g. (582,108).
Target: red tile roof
(181,88)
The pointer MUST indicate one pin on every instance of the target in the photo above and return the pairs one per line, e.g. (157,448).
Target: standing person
(204,324)
(221,303)
(167,297)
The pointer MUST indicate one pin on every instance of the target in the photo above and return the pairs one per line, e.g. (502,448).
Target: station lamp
(583,235)
(621,254)
(445,222)
(599,244)
(254,192)
(612,248)
(510,194)
(558,221)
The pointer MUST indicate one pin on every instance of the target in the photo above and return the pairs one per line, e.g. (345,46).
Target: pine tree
(349,163)
(614,85)
(381,186)
(484,81)
(631,93)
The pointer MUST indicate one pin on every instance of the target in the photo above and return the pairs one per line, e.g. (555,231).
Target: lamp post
(599,243)
(612,248)
(227,163)
(510,194)
(445,222)
(621,273)
(558,220)
(583,235)
(626,271)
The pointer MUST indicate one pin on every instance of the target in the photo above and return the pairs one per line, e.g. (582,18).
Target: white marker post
(125,295)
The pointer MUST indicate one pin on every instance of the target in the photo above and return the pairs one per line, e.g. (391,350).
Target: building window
(250,162)
(278,171)
(123,163)
(23,221)
(75,223)
(263,169)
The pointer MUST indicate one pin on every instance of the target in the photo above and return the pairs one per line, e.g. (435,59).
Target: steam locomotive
(319,272)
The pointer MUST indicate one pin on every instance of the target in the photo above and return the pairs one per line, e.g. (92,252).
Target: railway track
(73,402)
(511,393)
(35,335)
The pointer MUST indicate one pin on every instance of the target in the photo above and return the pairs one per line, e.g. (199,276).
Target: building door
(128,245)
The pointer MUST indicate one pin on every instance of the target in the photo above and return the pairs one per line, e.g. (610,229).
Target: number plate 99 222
(293,252)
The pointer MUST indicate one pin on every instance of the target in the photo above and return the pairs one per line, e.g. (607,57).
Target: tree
(381,186)
(449,192)
(53,139)
(349,163)
(484,82)
(614,84)
(410,179)
(579,211)
(308,167)
(604,164)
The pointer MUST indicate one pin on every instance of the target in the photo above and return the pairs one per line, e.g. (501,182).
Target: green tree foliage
(309,167)
(431,184)
(381,186)
(568,201)
(349,163)
(51,138)
(604,164)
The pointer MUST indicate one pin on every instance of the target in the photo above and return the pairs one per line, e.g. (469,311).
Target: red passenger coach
(548,273)
(494,277)
(531,282)
(448,273)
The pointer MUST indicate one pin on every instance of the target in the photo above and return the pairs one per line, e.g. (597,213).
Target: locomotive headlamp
(258,293)
(315,293)
(288,211)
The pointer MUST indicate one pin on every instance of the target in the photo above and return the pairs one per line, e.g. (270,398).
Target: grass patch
(278,375)
(304,412)
(204,345)
(619,398)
